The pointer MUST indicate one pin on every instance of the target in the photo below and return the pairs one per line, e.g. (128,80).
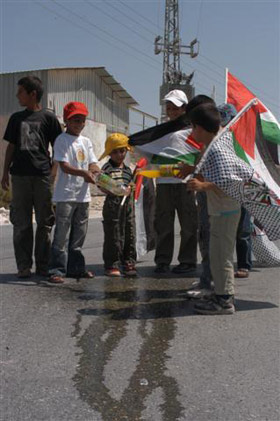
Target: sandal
(56,279)
(241,273)
(114,272)
(88,274)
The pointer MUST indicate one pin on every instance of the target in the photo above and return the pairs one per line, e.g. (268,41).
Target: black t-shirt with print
(31,132)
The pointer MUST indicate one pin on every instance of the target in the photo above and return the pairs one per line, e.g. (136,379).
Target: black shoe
(184,268)
(24,273)
(129,269)
(216,305)
(162,268)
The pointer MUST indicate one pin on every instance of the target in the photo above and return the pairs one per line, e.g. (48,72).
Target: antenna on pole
(172,48)
(213,96)
(226,83)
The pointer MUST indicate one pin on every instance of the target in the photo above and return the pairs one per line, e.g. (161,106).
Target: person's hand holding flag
(185,170)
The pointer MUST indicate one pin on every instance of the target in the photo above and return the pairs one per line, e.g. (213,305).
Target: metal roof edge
(106,75)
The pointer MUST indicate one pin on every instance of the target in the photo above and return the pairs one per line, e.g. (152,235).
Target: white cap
(177,97)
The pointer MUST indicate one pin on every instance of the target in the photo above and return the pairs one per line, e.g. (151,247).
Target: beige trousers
(222,241)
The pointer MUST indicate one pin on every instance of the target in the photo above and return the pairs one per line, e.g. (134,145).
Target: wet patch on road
(123,352)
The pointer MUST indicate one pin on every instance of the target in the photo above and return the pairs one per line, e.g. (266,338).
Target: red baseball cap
(73,108)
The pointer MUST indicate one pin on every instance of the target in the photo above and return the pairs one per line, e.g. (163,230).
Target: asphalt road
(127,349)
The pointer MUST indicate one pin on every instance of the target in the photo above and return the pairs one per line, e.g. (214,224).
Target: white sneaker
(198,293)
(195,284)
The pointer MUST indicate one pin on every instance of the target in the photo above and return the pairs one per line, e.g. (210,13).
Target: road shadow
(148,271)
(142,272)
(145,297)
(11,278)
(247,305)
(146,304)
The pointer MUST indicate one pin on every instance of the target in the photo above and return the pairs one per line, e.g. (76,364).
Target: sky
(243,36)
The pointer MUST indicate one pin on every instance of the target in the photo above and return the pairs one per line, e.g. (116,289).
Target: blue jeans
(243,241)
(73,217)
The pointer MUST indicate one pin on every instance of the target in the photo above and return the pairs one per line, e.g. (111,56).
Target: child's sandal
(241,273)
(114,272)
(88,274)
(56,279)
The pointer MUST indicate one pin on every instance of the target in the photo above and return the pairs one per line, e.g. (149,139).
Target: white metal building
(107,101)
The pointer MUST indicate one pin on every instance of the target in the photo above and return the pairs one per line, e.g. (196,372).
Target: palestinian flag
(167,143)
(266,252)
(249,145)
(144,197)
(239,96)
(233,161)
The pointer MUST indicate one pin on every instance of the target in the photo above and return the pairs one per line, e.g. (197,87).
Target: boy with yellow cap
(118,220)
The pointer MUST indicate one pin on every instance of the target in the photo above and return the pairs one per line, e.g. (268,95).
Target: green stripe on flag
(239,150)
(271,132)
(190,159)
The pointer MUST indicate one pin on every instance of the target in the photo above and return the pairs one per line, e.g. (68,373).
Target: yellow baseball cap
(115,141)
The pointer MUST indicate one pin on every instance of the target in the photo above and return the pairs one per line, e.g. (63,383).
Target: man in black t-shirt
(29,134)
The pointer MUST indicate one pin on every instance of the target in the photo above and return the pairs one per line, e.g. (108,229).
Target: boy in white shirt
(77,165)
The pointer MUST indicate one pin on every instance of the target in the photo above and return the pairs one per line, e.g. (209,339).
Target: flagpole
(138,165)
(253,101)
(226,84)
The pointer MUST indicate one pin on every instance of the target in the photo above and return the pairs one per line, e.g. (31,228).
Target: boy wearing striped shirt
(118,219)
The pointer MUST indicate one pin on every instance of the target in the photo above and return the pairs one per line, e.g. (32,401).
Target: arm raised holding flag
(235,164)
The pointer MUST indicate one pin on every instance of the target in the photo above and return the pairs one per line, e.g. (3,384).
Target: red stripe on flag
(139,178)
(191,141)
(138,184)
(245,131)
(239,95)
(141,163)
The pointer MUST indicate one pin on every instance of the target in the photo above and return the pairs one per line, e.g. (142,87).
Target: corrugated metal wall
(8,88)
(62,86)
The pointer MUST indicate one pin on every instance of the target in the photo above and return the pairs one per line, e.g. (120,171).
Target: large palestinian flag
(144,197)
(167,143)
(233,161)
(239,96)
(249,145)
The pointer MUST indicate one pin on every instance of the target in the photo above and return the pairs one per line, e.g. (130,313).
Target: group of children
(27,159)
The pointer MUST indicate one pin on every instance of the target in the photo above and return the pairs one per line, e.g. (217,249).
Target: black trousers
(171,198)
(119,232)
(28,193)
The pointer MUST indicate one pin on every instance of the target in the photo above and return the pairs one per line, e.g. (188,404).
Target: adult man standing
(29,133)
(172,196)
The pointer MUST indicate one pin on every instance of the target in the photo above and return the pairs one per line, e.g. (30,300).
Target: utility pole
(171,47)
